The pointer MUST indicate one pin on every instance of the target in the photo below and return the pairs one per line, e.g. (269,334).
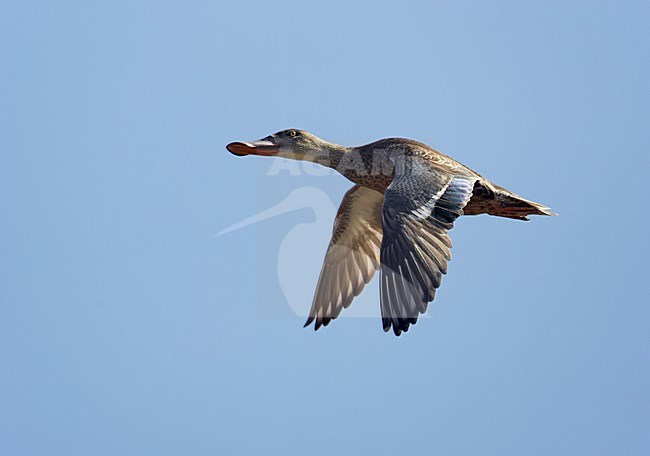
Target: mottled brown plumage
(396,218)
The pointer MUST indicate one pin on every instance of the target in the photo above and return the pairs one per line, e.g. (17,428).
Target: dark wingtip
(403,325)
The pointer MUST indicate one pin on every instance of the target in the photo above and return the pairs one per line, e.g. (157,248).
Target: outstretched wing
(352,256)
(420,205)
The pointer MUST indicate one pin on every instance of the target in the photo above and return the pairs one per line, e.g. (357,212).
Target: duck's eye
(293,133)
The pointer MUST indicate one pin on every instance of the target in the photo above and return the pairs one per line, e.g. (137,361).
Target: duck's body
(407,196)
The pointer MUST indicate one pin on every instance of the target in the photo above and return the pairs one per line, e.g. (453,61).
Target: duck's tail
(494,200)
(513,206)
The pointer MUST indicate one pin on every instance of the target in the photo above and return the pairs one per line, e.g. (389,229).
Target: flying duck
(395,218)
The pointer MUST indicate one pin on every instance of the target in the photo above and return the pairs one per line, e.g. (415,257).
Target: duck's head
(295,144)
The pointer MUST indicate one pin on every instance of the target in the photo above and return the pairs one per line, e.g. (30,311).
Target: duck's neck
(328,154)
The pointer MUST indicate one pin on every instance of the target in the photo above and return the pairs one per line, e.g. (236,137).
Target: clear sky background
(128,327)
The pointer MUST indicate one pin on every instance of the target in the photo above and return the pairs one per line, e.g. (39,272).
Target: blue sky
(128,327)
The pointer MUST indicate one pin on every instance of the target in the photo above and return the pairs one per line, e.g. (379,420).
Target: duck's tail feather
(513,206)
(520,209)
(494,200)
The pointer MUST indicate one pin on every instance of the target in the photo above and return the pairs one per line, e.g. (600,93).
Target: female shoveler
(395,218)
